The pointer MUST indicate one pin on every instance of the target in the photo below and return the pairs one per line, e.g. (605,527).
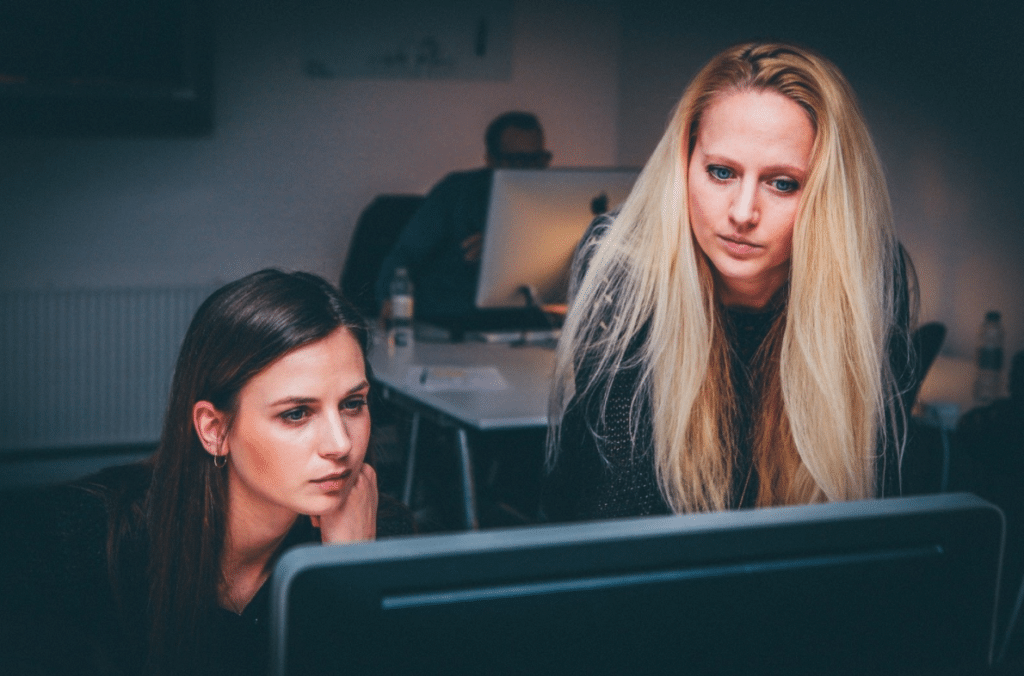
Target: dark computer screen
(106,67)
(904,585)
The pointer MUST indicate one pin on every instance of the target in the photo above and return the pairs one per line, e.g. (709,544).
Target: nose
(744,210)
(336,442)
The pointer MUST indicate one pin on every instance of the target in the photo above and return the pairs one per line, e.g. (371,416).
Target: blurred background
(276,137)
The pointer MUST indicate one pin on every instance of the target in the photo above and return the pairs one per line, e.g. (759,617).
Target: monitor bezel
(475,561)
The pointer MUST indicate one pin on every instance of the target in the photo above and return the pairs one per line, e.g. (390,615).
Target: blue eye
(295,415)
(719,173)
(355,405)
(785,185)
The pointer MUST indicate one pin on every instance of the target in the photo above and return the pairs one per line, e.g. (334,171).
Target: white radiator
(89,367)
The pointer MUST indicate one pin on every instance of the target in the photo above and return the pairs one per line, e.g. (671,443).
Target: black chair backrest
(927,341)
(377,230)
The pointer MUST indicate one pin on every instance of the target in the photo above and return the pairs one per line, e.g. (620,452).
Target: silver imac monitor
(534,221)
(896,586)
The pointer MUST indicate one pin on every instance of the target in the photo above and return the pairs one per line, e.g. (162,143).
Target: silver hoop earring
(223,460)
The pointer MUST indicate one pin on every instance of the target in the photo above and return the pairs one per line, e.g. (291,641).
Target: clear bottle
(400,329)
(988,382)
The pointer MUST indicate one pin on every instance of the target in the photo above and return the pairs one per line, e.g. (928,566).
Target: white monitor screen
(534,221)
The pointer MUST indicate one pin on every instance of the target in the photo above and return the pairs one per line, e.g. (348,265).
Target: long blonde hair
(827,395)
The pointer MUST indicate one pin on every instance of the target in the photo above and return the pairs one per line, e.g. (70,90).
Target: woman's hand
(355,517)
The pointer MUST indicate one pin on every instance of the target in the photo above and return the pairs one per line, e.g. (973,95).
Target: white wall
(959,215)
(292,160)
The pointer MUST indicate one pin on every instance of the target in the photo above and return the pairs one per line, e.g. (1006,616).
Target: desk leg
(468,490)
(944,436)
(410,466)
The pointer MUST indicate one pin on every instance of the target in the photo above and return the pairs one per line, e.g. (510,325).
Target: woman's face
(745,178)
(300,432)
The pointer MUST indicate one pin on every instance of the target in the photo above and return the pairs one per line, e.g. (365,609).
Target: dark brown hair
(235,334)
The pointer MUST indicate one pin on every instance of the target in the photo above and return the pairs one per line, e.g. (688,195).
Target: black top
(64,615)
(581,486)
(600,473)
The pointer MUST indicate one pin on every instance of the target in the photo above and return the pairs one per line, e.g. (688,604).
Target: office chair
(926,340)
(926,460)
(376,231)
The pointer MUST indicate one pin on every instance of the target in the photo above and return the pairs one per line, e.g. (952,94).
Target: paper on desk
(453,378)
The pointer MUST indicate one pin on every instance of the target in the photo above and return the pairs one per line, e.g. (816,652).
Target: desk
(522,404)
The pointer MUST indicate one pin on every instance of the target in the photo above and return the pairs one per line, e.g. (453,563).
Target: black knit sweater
(601,474)
(581,486)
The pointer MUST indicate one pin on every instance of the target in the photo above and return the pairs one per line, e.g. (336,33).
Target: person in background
(162,567)
(739,335)
(441,245)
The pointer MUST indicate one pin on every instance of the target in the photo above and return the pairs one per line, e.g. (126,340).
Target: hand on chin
(355,517)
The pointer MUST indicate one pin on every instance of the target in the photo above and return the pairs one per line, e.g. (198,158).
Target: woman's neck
(751,294)
(754,299)
(250,543)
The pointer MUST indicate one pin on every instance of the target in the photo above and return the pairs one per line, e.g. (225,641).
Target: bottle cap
(992,316)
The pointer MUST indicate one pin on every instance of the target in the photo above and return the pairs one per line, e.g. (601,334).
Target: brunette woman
(162,567)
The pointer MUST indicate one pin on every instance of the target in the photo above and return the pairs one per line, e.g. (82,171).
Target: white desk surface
(526,369)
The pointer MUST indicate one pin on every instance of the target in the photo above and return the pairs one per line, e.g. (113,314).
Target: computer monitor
(904,585)
(535,219)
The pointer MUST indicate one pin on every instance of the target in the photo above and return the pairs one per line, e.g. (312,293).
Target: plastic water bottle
(400,332)
(990,360)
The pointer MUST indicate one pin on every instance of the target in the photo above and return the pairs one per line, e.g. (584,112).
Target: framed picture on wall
(399,39)
(105,67)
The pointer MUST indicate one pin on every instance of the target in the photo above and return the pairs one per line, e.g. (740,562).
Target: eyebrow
(785,169)
(714,158)
(309,400)
(358,387)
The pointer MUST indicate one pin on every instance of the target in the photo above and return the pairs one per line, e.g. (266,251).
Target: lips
(332,482)
(337,476)
(738,246)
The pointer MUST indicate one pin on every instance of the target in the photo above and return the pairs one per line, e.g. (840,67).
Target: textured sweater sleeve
(601,471)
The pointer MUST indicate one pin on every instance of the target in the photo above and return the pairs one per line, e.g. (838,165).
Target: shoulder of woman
(57,537)
(595,232)
(584,251)
(131,479)
(90,506)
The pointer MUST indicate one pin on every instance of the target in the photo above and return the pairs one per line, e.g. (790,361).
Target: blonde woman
(739,333)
